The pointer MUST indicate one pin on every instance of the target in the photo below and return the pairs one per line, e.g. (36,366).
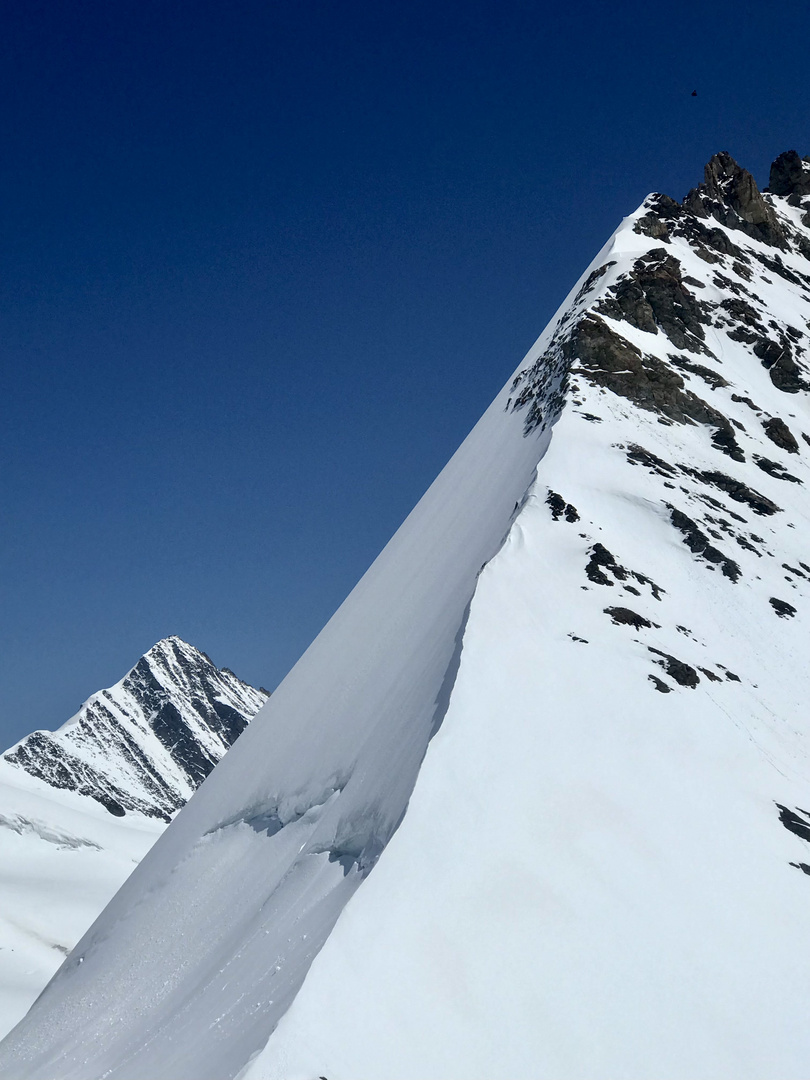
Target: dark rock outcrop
(793,822)
(709,375)
(730,195)
(700,545)
(776,470)
(560,508)
(654,295)
(777,357)
(638,455)
(601,557)
(605,359)
(740,492)
(790,175)
(779,433)
(623,616)
(601,560)
(782,608)
(683,674)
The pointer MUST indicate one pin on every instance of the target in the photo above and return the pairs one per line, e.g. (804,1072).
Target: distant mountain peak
(146,743)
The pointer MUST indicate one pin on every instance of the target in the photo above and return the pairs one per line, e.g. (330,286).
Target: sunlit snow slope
(81,806)
(603,871)
(62,856)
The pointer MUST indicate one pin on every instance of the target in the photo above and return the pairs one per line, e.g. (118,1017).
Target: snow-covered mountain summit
(580,667)
(148,742)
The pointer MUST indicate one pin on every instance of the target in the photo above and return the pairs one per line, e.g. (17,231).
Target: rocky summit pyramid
(563,718)
(147,743)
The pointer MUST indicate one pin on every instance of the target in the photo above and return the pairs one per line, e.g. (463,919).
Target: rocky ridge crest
(698,322)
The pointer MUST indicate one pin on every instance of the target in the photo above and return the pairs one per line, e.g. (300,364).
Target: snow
(592,878)
(62,857)
(332,758)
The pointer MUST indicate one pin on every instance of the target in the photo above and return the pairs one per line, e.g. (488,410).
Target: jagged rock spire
(730,195)
(790,175)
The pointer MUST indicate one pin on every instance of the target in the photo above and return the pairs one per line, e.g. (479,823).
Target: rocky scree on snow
(747,240)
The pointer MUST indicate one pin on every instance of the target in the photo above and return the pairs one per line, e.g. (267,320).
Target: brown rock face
(728,182)
(654,295)
(730,195)
(606,359)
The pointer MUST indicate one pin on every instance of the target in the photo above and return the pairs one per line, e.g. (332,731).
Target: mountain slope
(602,867)
(79,808)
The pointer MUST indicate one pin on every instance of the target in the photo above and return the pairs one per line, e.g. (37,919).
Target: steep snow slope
(603,869)
(189,968)
(594,876)
(66,840)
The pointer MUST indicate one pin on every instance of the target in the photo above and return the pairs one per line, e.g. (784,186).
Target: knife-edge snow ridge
(674,374)
(604,866)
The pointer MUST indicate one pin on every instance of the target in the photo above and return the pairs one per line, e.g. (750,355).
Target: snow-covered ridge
(146,743)
(603,868)
(580,666)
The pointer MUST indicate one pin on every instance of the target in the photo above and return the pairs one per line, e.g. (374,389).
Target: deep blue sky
(265,264)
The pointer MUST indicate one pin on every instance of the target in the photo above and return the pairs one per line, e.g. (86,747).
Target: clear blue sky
(265,262)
